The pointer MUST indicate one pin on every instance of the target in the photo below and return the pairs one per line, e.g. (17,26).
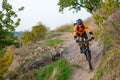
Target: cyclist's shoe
(81,50)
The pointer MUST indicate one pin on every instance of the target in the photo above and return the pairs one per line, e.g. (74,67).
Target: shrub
(108,20)
(6,60)
(107,8)
(2,51)
(39,30)
(26,37)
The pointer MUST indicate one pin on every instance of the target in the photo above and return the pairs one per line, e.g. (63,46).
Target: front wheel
(90,65)
(88,55)
(88,58)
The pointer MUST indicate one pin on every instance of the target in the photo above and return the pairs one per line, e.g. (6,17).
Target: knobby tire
(88,58)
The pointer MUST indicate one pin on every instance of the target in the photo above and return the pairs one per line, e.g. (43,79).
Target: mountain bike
(85,47)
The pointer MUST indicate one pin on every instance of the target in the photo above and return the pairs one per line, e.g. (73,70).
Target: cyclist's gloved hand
(75,37)
(77,40)
(92,37)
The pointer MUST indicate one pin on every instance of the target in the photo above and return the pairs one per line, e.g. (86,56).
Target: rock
(37,64)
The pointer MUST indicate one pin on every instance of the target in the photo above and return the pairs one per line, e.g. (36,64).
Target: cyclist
(80,29)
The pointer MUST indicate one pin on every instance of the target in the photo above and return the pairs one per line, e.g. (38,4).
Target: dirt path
(74,57)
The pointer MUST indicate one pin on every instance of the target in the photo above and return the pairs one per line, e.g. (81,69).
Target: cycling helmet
(79,21)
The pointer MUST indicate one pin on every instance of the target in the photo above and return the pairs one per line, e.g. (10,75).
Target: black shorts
(84,35)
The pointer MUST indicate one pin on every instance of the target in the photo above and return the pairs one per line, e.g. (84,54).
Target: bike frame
(85,44)
(87,52)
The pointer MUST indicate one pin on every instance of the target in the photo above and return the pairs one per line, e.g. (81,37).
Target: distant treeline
(18,33)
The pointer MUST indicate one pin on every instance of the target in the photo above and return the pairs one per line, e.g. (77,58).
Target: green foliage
(106,41)
(102,19)
(115,51)
(20,9)
(39,30)
(97,34)
(2,52)
(55,71)
(53,42)
(1,78)
(65,28)
(8,22)
(107,8)
(90,5)
(26,37)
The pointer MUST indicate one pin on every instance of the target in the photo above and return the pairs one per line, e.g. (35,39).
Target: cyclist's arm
(75,30)
(88,29)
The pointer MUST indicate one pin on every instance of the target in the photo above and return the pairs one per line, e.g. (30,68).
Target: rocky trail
(74,57)
(70,51)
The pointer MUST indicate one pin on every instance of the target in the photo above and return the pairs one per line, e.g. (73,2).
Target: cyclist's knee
(79,45)
(86,43)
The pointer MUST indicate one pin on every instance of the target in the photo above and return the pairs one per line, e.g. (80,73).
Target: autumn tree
(8,22)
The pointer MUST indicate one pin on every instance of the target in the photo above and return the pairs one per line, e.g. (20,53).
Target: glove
(77,40)
(75,37)
(92,37)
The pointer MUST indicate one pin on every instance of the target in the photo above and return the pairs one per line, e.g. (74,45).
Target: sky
(46,12)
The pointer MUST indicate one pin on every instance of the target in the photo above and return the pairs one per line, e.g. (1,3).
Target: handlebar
(85,40)
(90,39)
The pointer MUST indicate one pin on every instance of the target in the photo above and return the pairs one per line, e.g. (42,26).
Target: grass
(51,34)
(55,71)
(2,52)
(65,28)
(75,65)
(53,42)
(109,65)
(1,78)
(103,70)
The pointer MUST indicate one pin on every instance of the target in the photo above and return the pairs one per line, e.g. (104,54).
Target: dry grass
(6,60)
(65,28)
(110,67)
(54,74)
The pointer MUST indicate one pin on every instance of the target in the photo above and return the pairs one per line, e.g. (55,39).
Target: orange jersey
(80,30)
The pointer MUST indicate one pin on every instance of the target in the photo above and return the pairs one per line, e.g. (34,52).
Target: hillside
(44,54)
(57,56)
(32,58)
(35,56)
(38,55)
